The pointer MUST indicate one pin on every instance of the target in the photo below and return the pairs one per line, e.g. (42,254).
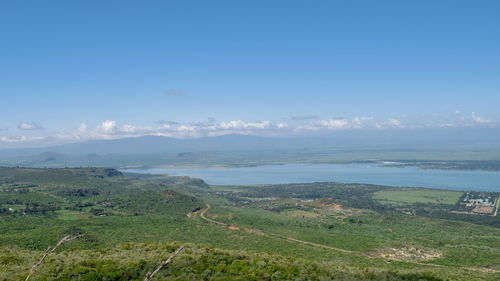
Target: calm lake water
(349,173)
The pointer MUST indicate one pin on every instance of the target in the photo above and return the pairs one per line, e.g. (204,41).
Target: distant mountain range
(96,151)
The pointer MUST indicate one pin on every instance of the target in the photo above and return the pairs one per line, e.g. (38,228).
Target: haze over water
(349,173)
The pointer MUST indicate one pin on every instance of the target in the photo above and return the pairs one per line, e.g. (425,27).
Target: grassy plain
(411,196)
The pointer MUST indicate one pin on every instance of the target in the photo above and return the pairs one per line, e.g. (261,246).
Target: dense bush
(132,261)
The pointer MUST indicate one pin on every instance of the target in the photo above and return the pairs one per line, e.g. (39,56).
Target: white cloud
(12,139)
(110,129)
(130,128)
(238,124)
(332,123)
(20,139)
(480,120)
(360,122)
(393,122)
(447,125)
(282,125)
(108,126)
(337,124)
(82,128)
(29,126)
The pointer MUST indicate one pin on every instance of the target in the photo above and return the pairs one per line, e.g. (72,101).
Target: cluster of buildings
(480,203)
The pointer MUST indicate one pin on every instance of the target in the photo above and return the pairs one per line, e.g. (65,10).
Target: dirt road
(294,240)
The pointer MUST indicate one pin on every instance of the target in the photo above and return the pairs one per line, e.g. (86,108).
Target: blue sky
(270,67)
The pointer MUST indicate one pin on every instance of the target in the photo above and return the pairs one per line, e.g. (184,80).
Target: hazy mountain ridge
(417,138)
(479,144)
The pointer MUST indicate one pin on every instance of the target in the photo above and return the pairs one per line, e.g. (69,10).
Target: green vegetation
(319,231)
(131,261)
(411,196)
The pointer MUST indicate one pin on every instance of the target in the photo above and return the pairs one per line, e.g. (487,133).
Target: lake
(349,173)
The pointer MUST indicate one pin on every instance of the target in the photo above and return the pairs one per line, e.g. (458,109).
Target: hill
(319,231)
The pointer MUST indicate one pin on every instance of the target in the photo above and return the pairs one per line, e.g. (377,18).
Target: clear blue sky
(135,62)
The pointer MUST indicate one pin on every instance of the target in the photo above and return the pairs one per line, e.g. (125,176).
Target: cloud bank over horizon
(303,126)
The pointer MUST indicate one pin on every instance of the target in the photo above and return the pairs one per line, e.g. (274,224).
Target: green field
(412,196)
(71,215)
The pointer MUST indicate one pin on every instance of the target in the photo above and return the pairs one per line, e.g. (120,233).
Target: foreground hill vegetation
(131,261)
(321,231)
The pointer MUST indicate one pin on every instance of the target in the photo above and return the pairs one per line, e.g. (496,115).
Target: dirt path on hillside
(268,234)
(294,240)
(496,206)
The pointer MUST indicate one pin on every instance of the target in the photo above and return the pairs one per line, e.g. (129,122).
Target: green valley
(316,231)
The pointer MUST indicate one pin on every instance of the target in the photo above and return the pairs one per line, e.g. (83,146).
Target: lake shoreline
(366,173)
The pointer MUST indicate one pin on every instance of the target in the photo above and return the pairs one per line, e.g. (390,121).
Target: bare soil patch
(410,253)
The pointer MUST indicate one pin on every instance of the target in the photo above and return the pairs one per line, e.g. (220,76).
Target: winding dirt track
(294,240)
(497,205)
